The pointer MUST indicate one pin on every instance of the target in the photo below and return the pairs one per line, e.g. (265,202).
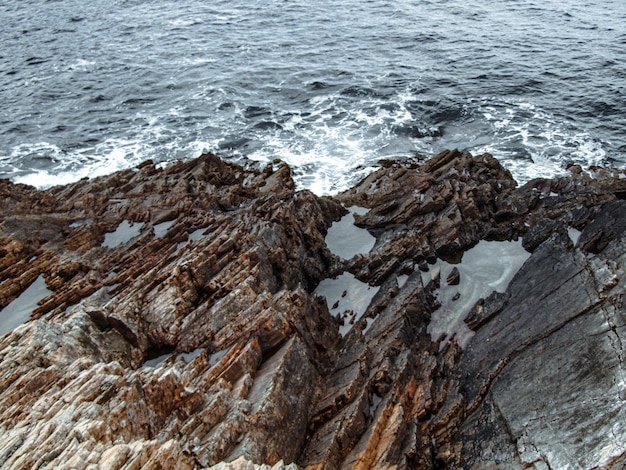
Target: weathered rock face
(179,326)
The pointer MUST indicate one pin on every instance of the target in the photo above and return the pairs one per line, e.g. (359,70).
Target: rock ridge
(178,324)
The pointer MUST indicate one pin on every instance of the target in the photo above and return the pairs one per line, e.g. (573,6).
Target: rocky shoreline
(176,321)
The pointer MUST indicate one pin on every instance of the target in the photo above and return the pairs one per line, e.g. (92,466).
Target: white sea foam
(533,143)
(82,65)
(68,172)
(108,157)
(329,148)
(334,144)
(186,21)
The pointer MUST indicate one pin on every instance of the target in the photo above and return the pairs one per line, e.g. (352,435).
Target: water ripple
(329,87)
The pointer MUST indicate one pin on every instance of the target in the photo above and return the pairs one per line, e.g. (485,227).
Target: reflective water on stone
(157,361)
(348,297)
(191,355)
(124,233)
(160,230)
(489,266)
(346,240)
(573,234)
(20,310)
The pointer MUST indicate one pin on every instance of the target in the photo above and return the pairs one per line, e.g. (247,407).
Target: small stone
(454,277)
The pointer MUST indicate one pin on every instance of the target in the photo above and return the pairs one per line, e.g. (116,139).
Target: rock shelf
(196,338)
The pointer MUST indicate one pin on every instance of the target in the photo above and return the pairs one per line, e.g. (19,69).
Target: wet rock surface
(179,326)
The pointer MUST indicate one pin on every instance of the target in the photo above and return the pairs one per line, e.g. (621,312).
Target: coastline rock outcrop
(169,318)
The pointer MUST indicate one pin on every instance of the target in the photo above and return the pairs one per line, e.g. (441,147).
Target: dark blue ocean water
(331,87)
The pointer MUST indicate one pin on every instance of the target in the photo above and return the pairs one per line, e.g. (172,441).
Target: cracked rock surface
(174,321)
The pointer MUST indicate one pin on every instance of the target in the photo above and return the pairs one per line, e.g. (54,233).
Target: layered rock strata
(179,326)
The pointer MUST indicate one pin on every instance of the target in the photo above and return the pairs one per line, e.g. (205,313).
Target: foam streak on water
(329,87)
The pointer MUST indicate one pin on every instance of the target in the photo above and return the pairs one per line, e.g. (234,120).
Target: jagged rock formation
(179,326)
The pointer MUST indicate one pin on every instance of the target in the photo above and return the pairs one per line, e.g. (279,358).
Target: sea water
(330,87)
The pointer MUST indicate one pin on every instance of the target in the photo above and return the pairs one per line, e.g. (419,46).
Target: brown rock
(207,343)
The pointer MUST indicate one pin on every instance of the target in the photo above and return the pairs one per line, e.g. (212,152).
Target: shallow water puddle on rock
(124,233)
(573,234)
(345,239)
(194,236)
(488,266)
(157,361)
(197,235)
(375,402)
(191,355)
(160,230)
(347,296)
(19,311)
(368,324)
